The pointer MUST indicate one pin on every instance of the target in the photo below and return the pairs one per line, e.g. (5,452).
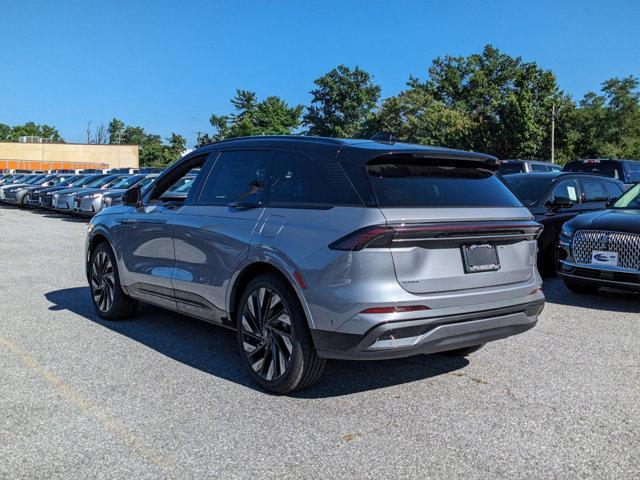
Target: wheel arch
(251,270)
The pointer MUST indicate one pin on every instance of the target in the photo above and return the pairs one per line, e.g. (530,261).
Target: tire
(273,337)
(23,202)
(463,352)
(581,288)
(108,298)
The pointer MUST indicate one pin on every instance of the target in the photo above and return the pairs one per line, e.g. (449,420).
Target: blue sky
(168,65)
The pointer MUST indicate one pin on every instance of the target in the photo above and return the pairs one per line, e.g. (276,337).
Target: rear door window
(431,182)
(594,191)
(298,180)
(237,176)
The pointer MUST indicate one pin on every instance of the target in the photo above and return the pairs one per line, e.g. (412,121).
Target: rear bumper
(429,335)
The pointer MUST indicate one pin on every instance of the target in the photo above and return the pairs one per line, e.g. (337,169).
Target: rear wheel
(107,295)
(274,338)
(580,288)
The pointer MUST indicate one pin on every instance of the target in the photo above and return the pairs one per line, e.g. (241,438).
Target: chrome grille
(626,244)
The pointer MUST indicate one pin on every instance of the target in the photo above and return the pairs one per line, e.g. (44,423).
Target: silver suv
(315,248)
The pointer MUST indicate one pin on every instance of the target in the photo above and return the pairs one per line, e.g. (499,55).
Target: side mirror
(560,202)
(133,196)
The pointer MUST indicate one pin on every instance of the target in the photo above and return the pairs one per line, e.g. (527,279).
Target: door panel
(210,243)
(148,253)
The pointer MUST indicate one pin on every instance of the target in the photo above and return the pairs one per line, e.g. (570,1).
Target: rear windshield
(607,168)
(528,190)
(511,167)
(436,183)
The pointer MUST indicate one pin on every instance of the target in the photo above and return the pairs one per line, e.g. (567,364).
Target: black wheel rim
(267,337)
(103,284)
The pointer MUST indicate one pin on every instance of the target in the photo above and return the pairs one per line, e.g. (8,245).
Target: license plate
(480,258)
(600,257)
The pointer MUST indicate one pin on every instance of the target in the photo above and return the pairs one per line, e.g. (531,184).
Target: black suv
(627,171)
(554,198)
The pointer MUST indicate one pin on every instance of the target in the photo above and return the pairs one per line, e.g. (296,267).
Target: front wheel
(109,299)
(274,338)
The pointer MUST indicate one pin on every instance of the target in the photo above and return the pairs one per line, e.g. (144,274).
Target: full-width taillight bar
(383,236)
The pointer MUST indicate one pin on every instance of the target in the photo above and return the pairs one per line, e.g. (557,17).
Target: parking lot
(164,395)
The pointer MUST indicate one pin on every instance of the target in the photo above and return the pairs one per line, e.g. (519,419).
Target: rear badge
(480,258)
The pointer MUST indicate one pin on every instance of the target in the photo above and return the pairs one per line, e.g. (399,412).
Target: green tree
(608,125)
(416,117)
(272,116)
(508,101)
(116,131)
(343,103)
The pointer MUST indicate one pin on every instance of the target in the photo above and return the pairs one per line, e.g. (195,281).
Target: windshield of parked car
(601,167)
(98,182)
(182,185)
(411,182)
(34,179)
(528,190)
(127,181)
(631,199)
(79,181)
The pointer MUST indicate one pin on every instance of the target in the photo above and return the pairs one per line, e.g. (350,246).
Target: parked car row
(81,195)
(627,171)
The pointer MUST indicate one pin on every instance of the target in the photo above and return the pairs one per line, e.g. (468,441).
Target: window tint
(594,191)
(528,188)
(414,182)
(511,167)
(238,176)
(633,172)
(615,190)
(565,189)
(300,180)
(537,167)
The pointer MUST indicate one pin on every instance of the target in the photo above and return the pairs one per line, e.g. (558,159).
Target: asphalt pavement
(165,396)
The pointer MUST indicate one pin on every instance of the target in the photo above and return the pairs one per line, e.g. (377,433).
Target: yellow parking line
(136,444)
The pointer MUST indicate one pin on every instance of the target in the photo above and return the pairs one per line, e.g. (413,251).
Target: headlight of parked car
(106,202)
(566,231)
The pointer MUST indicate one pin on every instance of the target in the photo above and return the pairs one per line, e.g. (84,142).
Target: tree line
(489,102)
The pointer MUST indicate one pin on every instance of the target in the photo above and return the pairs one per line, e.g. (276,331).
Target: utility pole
(553,133)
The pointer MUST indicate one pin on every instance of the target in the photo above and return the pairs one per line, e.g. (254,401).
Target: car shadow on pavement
(606,299)
(213,349)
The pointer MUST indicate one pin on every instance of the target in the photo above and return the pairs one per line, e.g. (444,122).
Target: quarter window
(298,180)
(536,167)
(238,176)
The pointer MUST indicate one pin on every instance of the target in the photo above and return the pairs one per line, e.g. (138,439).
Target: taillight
(365,237)
(396,309)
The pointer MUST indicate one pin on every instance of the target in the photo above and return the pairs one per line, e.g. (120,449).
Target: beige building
(46,156)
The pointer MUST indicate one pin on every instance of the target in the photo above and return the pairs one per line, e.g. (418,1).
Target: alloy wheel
(267,336)
(102,281)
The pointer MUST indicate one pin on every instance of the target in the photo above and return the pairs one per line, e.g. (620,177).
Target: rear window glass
(528,190)
(436,183)
(601,167)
